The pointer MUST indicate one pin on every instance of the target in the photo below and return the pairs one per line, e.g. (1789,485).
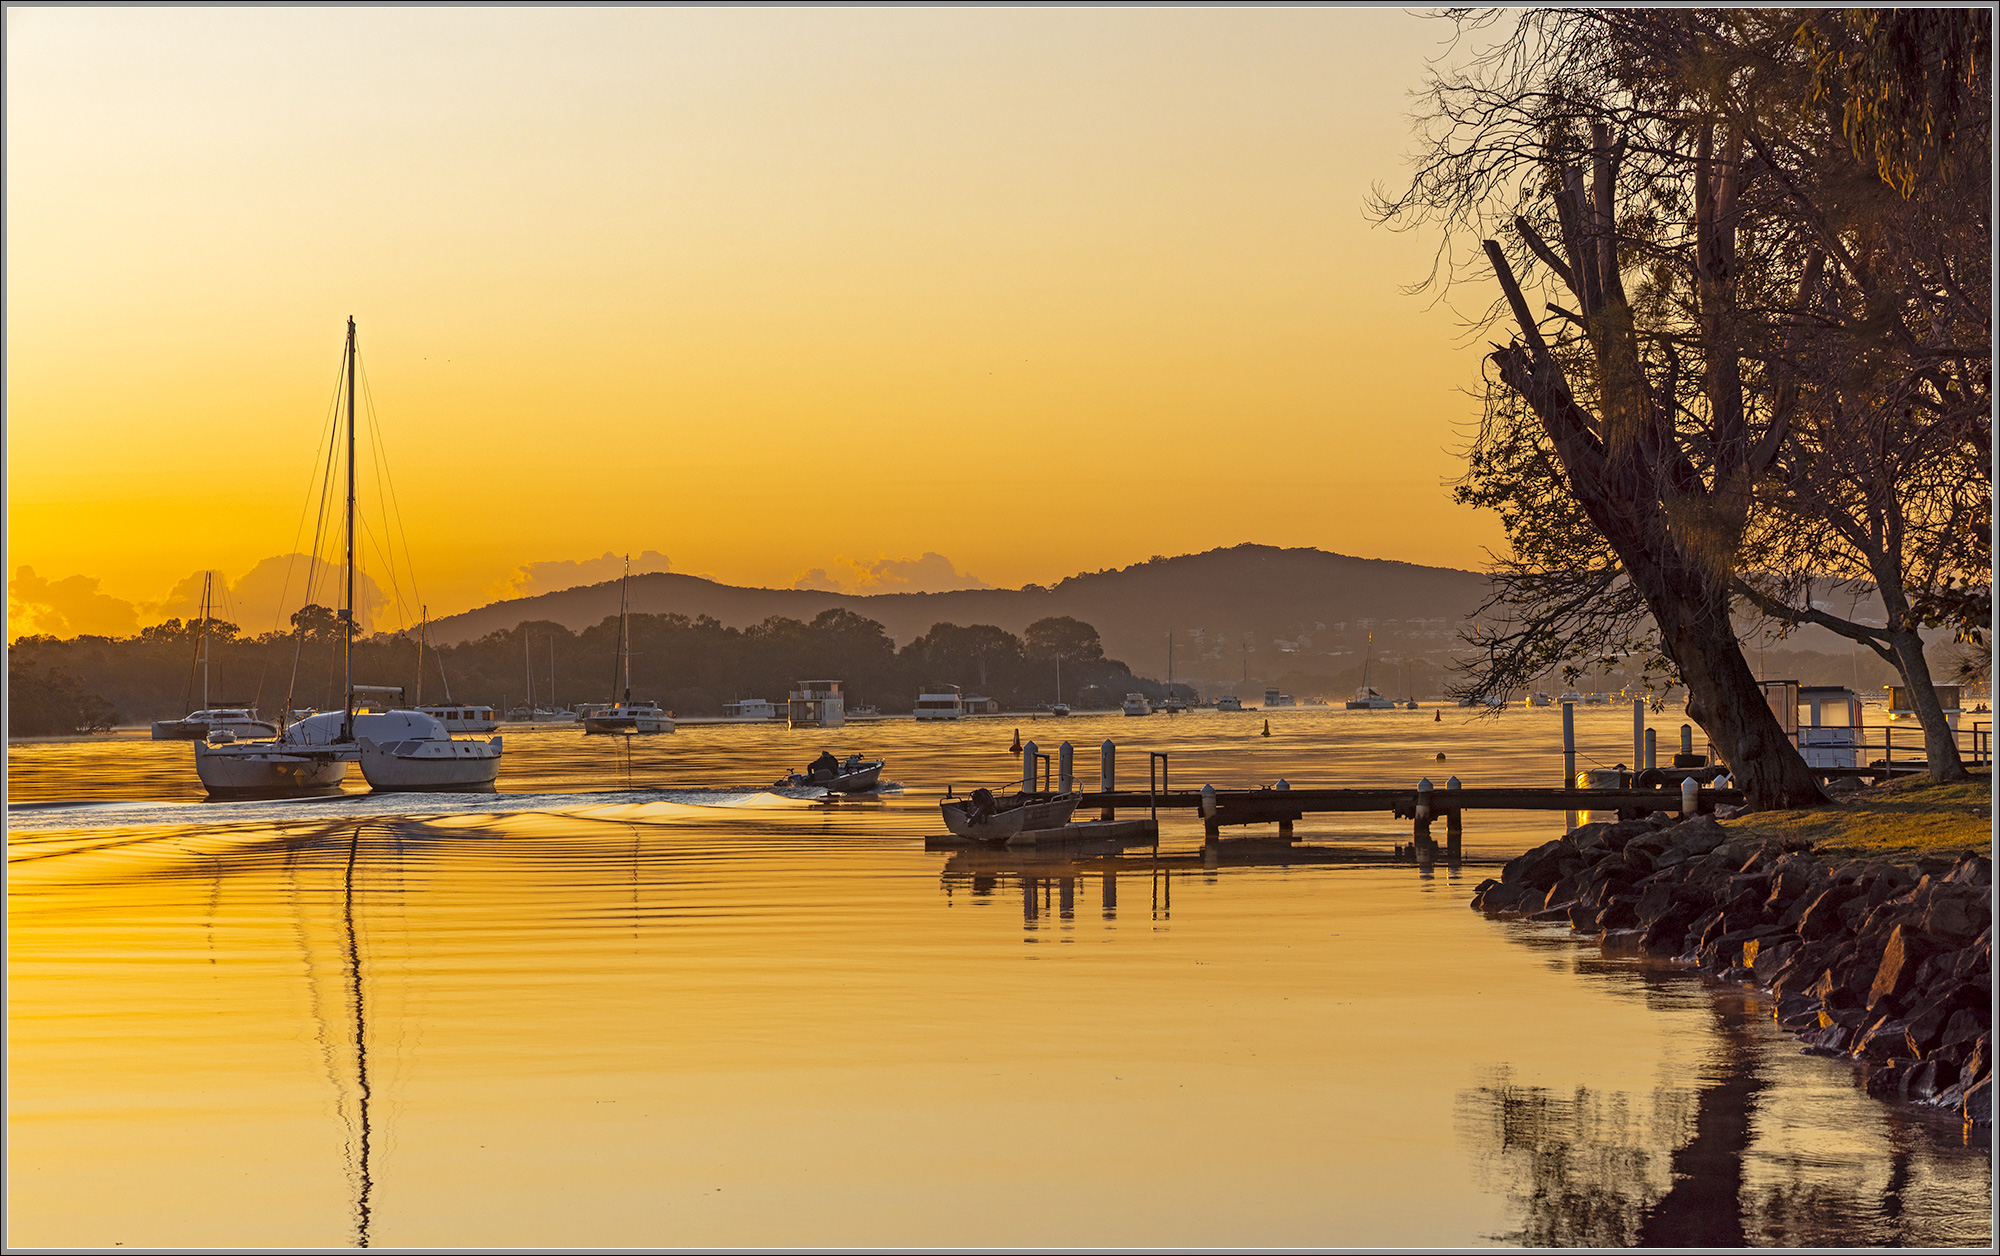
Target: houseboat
(946,704)
(816,704)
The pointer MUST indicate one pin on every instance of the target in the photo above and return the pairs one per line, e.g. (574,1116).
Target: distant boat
(1539,699)
(1060,708)
(1272,698)
(1229,702)
(1136,704)
(463,718)
(1173,705)
(816,704)
(233,718)
(624,715)
(944,704)
(1571,697)
(1365,698)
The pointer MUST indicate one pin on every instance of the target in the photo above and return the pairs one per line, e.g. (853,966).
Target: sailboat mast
(552,673)
(347,612)
(625,627)
(207,578)
(423,618)
(528,666)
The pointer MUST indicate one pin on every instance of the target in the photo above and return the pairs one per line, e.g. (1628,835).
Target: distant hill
(1295,609)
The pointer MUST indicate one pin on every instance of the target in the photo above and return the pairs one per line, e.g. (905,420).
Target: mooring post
(1454,827)
(1211,828)
(1690,792)
(1029,764)
(1284,826)
(1569,747)
(1638,733)
(1426,848)
(1107,776)
(1652,750)
(1065,768)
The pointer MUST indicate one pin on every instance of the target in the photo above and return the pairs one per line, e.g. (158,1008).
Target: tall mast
(528,666)
(552,673)
(347,612)
(625,627)
(207,577)
(423,615)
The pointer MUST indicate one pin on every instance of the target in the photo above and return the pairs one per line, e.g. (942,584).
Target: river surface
(638,998)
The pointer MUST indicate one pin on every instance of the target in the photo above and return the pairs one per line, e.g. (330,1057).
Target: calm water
(695,1012)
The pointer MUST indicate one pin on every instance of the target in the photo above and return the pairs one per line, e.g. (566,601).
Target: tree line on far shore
(690,666)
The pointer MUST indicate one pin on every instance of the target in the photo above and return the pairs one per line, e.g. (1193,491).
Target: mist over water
(667,1005)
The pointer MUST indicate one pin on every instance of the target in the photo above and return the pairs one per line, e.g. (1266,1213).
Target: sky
(867,300)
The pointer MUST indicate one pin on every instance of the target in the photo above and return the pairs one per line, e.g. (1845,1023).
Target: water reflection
(1769,1148)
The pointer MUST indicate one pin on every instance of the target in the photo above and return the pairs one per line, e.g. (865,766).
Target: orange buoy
(1016,747)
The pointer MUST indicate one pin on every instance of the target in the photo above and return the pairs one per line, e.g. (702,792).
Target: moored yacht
(625,715)
(408,750)
(463,717)
(1229,702)
(1539,698)
(1136,704)
(237,721)
(1366,699)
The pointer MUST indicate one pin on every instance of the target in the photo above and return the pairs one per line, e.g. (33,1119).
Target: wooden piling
(1454,824)
(1107,777)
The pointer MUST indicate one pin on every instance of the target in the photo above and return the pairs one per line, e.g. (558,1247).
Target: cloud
(262,599)
(932,573)
(69,607)
(556,575)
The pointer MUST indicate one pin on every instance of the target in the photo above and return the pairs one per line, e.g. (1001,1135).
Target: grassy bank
(1899,820)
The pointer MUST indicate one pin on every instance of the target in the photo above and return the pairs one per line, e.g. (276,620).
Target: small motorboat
(984,816)
(1059,709)
(1136,704)
(853,775)
(1229,702)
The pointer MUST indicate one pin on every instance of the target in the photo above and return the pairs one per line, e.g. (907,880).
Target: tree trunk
(1940,742)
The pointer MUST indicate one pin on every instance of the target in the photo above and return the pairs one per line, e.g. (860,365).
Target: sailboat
(230,717)
(625,715)
(1060,708)
(398,749)
(1365,698)
(1173,705)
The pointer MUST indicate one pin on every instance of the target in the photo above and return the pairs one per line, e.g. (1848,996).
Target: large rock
(1821,919)
(1893,978)
(1957,913)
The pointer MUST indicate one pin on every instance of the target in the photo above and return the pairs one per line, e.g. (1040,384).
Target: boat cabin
(946,703)
(750,709)
(816,704)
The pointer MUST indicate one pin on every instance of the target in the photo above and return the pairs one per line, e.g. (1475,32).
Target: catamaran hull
(241,771)
(198,730)
(626,724)
(430,764)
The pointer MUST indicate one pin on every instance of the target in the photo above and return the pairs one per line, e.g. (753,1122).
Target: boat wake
(430,808)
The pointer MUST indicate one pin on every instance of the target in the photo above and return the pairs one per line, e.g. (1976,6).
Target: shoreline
(1883,963)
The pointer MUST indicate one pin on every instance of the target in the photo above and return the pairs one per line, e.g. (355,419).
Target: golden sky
(769,293)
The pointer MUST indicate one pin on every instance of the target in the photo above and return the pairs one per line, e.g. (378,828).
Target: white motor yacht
(1229,702)
(409,750)
(1136,704)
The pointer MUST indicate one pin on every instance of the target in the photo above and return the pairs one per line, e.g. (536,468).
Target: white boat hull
(430,764)
(265,770)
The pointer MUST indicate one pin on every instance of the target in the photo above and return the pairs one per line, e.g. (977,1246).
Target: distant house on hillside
(977,704)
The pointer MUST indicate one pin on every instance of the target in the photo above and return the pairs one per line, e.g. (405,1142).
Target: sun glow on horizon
(774,293)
